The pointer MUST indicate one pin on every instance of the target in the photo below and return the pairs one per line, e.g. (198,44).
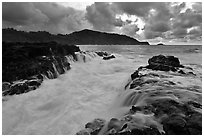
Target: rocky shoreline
(160,102)
(26,65)
(164,97)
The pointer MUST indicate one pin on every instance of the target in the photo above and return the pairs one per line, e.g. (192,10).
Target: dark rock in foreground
(161,102)
(164,63)
(24,60)
(25,64)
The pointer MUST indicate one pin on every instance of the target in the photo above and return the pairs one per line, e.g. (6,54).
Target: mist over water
(91,89)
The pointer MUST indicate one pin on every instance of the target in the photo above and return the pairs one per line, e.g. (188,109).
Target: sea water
(89,90)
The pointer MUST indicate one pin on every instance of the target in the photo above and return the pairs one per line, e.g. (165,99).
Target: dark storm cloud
(43,16)
(187,19)
(135,8)
(149,34)
(160,27)
(191,18)
(197,7)
(102,16)
(156,30)
(179,32)
(168,18)
(161,19)
(157,22)
(22,13)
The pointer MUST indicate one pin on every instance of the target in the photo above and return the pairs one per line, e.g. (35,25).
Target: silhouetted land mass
(83,37)
(160,44)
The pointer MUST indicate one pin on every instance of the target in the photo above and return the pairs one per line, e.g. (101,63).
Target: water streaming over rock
(92,88)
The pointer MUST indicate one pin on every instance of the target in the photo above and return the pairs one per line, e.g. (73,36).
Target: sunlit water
(89,90)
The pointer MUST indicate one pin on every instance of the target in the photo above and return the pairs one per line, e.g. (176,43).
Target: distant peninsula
(83,37)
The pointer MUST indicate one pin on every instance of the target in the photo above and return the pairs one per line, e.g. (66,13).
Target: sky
(155,22)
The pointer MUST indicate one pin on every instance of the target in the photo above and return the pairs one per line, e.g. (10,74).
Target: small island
(160,44)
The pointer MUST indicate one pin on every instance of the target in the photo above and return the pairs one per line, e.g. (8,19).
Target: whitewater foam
(92,88)
(65,104)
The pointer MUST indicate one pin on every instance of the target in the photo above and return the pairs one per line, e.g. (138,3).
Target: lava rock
(29,61)
(135,109)
(95,126)
(108,57)
(102,53)
(23,87)
(6,86)
(135,75)
(115,124)
(175,125)
(194,124)
(84,132)
(21,60)
(163,63)
(181,72)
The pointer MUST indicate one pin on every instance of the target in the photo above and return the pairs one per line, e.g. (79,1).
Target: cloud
(197,7)
(22,13)
(135,8)
(102,16)
(187,19)
(158,21)
(179,32)
(43,16)
(129,29)
(150,20)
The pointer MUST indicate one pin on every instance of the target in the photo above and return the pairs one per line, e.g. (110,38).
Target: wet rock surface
(25,64)
(108,57)
(164,98)
(105,55)
(164,63)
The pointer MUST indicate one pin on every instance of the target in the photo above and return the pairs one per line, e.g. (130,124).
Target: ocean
(90,90)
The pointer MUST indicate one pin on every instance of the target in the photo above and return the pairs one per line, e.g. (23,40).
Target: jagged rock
(135,109)
(163,63)
(95,126)
(175,125)
(181,72)
(194,124)
(161,102)
(115,124)
(145,131)
(135,75)
(23,61)
(86,131)
(108,57)
(195,104)
(102,53)
(5,86)
(21,87)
